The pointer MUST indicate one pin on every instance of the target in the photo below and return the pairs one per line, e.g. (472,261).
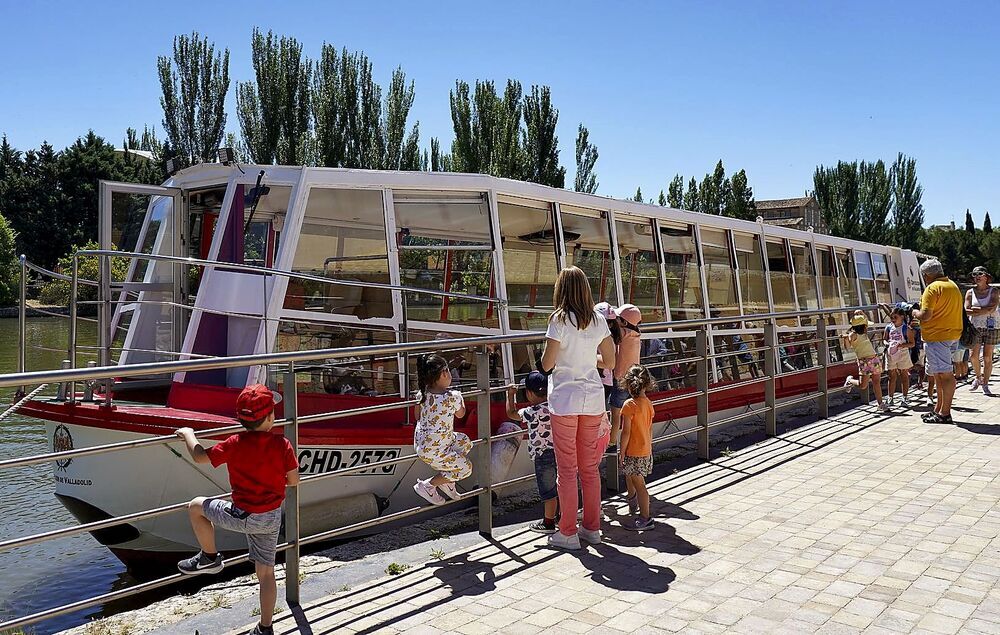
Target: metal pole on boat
(701,371)
(104,321)
(823,350)
(290,398)
(484,474)
(770,369)
(22,315)
(74,287)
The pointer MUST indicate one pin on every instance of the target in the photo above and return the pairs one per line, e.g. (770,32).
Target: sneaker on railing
(450,491)
(201,563)
(428,492)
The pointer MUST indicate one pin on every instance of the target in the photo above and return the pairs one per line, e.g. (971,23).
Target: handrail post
(22,317)
(770,370)
(74,288)
(701,350)
(290,399)
(104,320)
(484,476)
(823,383)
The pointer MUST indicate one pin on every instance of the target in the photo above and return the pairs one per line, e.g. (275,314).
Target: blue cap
(536,383)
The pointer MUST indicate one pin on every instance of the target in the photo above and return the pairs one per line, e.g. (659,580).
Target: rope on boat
(14,408)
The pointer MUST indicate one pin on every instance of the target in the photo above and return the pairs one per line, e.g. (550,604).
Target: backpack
(968,331)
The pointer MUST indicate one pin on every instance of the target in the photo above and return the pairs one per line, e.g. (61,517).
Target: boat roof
(212,173)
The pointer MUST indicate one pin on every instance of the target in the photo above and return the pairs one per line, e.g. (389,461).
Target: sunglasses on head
(630,327)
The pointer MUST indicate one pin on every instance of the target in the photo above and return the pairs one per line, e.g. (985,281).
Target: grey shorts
(261,529)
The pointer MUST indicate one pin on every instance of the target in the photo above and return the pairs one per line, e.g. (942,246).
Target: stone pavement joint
(858,522)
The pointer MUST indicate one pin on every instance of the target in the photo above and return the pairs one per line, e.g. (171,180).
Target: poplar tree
(586,159)
(194,91)
(675,193)
(539,140)
(273,109)
(875,203)
(638,195)
(692,196)
(487,129)
(739,201)
(836,191)
(907,210)
(662,201)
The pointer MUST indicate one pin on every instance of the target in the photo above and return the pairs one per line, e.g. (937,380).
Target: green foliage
(487,129)
(907,211)
(539,140)
(691,196)
(662,200)
(395,568)
(194,94)
(970,225)
(739,199)
(875,202)
(57,292)
(638,195)
(586,159)
(675,193)
(50,198)
(987,225)
(274,110)
(10,268)
(732,197)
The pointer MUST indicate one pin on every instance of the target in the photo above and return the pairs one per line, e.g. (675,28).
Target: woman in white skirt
(981,303)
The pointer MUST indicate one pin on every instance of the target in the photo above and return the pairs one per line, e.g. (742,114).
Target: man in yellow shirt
(940,315)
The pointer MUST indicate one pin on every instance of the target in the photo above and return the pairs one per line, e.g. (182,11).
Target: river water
(55,572)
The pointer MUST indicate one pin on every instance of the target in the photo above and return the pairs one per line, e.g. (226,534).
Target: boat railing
(293,541)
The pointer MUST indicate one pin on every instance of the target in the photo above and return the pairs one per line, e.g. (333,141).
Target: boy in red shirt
(260,465)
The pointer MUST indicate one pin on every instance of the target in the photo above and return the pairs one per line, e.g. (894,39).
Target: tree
(692,196)
(662,200)
(487,129)
(907,211)
(194,95)
(875,202)
(675,192)
(539,141)
(739,201)
(57,292)
(970,225)
(586,159)
(638,195)
(836,190)
(987,225)
(439,162)
(10,269)
(274,109)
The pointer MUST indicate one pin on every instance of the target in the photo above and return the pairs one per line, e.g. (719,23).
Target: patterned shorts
(869,366)
(990,337)
(637,465)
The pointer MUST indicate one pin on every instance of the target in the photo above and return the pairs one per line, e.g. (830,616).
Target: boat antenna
(256,194)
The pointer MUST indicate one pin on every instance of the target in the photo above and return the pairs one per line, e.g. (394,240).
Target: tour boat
(382,257)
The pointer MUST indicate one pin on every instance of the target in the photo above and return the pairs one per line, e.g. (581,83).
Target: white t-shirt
(575,386)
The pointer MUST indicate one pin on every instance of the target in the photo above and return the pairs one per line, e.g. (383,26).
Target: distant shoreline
(34,311)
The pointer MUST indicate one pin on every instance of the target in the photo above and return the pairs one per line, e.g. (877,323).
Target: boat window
(828,277)
(680,256)
(358,376)
(588,245)
(881,268)
(781,277)
(867,276)
(445,244)
(848,278)
(719,274)
(753,283)
(805,278)
(530,269)
(342,238)
(640,267)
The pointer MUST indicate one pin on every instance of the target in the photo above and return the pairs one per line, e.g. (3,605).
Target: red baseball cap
(256,402)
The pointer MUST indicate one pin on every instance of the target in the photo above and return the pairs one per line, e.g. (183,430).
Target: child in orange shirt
(637,446)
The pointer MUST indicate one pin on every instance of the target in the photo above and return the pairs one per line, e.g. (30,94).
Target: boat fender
(503,452)
(337,512)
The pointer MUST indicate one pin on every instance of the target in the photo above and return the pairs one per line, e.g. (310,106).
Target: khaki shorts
(899,362)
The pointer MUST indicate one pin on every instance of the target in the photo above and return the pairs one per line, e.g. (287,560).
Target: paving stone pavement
(881,524)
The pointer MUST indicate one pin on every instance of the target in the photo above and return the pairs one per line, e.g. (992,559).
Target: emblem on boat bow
(62,441)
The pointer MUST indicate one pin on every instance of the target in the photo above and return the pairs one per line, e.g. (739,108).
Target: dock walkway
(861,522)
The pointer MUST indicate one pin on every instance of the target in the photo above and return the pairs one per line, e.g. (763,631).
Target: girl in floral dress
(434,439)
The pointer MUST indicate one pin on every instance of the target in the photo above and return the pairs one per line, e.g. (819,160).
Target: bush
(10,267)
(56,292)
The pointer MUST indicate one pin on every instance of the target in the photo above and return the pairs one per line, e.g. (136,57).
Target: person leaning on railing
(981,303)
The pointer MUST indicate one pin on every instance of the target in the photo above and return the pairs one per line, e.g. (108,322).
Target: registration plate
(322,459)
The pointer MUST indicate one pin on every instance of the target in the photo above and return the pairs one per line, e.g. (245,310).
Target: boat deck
(857,522)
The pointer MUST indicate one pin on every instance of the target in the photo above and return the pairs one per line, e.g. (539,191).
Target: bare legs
(946,391)
(268,592)
(204,531)
(637,483)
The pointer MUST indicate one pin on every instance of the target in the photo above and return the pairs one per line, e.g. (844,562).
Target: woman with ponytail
(576,337)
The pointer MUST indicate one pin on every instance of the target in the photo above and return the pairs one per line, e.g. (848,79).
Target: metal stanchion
(770,370)
(73,290)
(823,383)
(22,317)
(292,536)
(701,350)
(483,471)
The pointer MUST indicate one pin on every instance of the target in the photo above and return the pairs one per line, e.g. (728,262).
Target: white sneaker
(562,541)
(883,407)
(428,492)
(974,385)
(888,401)
(591,537)
(904,403)
(849,384)
(450,491)
(986,389)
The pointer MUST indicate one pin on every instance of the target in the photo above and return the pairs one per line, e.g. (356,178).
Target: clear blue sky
(664,87)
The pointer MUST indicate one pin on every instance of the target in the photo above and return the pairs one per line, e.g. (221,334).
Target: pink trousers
(575,440)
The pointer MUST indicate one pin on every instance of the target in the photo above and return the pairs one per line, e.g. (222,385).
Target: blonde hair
(637,380)
(572,298)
